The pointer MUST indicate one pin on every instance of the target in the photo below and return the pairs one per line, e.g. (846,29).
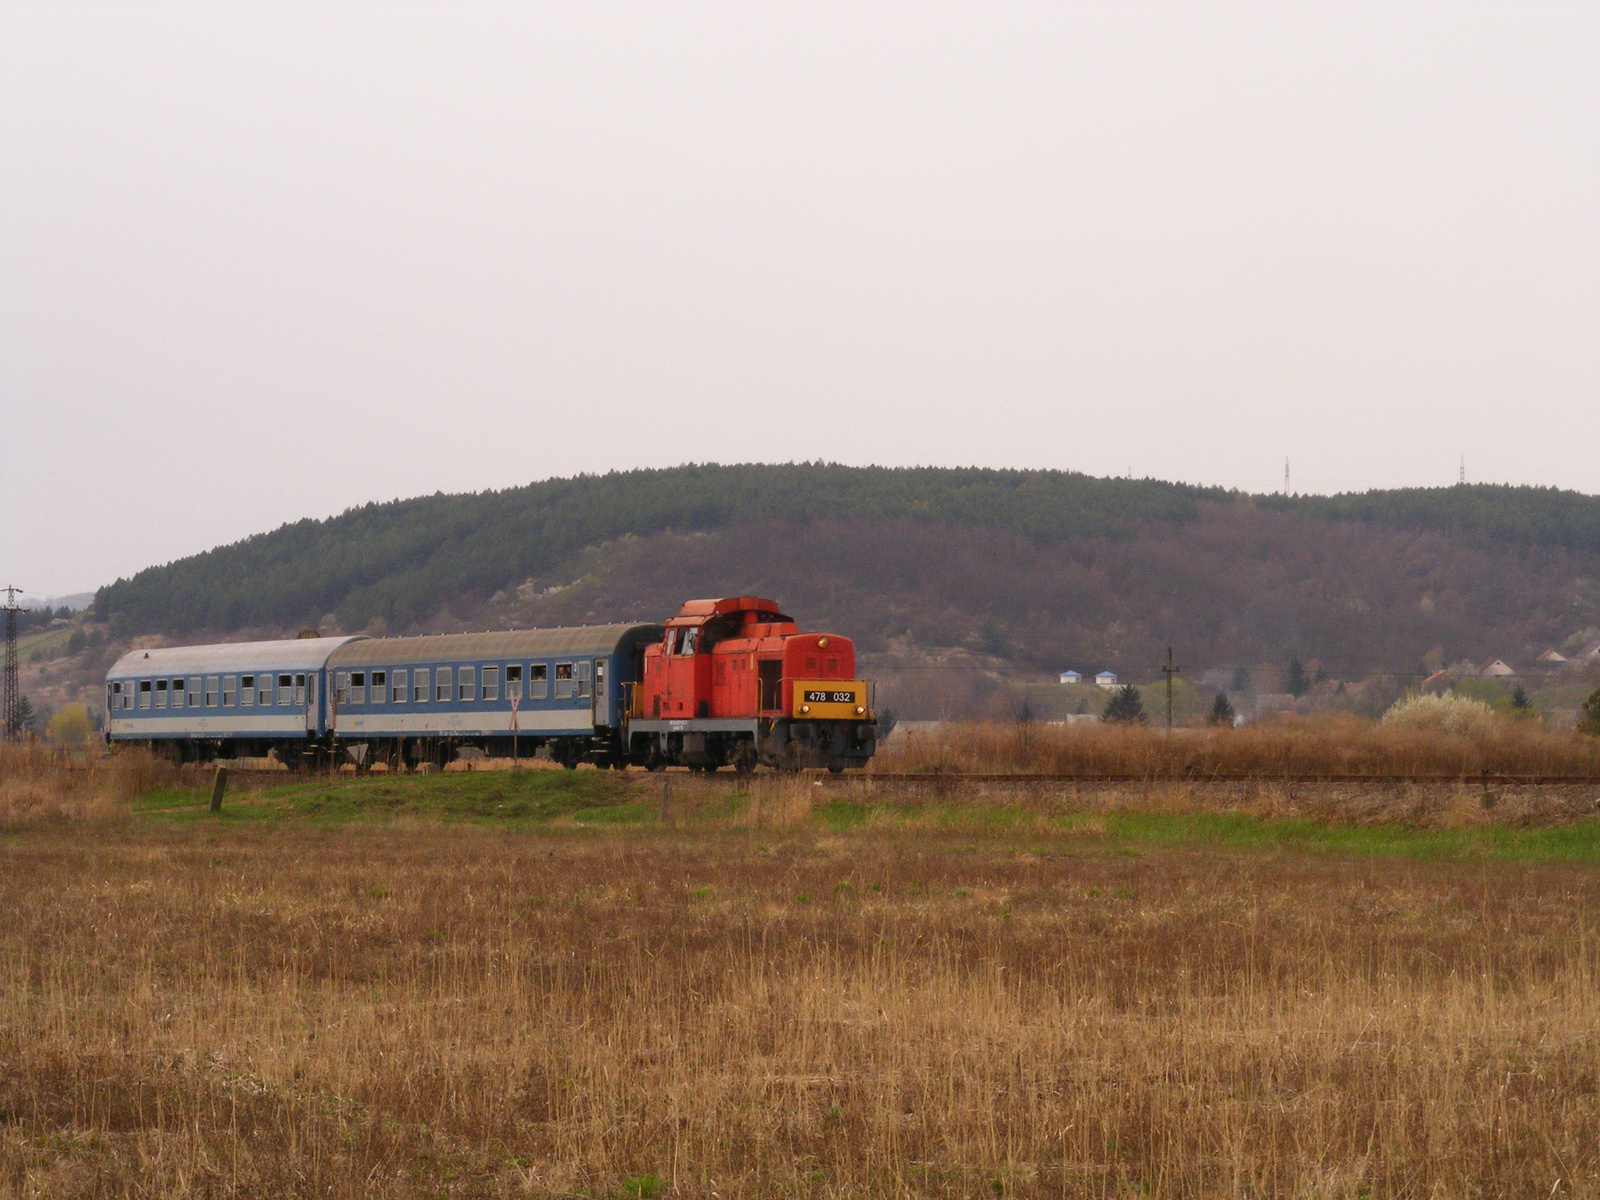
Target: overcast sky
(259,262)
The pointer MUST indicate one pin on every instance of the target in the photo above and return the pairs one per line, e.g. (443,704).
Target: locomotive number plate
(820,697)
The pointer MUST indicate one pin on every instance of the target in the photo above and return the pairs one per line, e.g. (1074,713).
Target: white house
(1106,679)
(1497,668)
(1552,657)
(1071,677)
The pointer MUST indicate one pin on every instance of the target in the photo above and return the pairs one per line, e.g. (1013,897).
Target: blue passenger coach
(231,700)
(419,699)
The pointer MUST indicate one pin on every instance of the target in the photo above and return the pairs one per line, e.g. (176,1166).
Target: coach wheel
(835,768)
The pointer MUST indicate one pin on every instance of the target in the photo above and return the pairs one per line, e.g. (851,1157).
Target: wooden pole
(218,786)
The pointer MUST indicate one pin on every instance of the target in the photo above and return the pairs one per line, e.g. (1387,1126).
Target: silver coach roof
(292,654)
(581,641)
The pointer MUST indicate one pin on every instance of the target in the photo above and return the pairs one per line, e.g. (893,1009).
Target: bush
(69,727)
(1221,711)
(1441,714)
(1589,715)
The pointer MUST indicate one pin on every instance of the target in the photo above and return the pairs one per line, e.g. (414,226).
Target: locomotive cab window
(538,681)
(397,688)
(688,640)
(247,691)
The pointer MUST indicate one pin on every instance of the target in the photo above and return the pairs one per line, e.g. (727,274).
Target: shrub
(1221,711)
(1589,715)
(1442,714)
(69,727)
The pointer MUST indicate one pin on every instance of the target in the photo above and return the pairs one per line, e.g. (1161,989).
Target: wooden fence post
(218,786)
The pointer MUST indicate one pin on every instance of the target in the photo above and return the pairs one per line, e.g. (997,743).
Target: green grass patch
(1577,842)
(496,797)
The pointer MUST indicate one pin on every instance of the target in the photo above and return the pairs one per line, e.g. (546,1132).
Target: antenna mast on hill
(1286,477)
(1462,477)
(10,727)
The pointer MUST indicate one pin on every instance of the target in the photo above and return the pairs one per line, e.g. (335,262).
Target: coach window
(538,681)
(419,686)
(600,679)
(514,681)
(397,688)
(285,689)
(341,687)
(194,691)
(247,690)
(441,685)
(491,683)
(465,687)
(358,687)
(161,693)
(380,686)
(583,679)
(113,697)
(211,691)
(177,693)
(230,690)
(144,693)
(563,680)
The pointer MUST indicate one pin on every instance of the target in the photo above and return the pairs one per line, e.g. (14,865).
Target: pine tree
(1221,710)
(1520,701)
(1125,707)
(1294,680)
(24,717)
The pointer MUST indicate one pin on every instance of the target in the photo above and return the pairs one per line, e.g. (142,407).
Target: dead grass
(43,784)
(1337,745)
(782,1010)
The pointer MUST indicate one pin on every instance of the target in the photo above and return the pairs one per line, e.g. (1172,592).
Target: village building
(1106,679)
(1071,677)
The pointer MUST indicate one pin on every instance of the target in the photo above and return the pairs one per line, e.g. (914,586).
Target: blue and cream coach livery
(402,700)
(250,696)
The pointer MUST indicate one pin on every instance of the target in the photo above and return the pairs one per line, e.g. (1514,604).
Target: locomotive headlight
(822,642)
(860,711)
(805,708)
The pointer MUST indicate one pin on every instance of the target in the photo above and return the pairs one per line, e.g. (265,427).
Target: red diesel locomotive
(734,682)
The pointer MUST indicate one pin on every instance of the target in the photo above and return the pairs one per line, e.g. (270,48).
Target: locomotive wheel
(745,762)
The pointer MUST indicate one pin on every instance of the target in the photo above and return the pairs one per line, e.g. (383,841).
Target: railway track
(1484,779)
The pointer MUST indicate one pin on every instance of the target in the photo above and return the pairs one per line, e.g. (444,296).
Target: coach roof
(293,654)
(583,641)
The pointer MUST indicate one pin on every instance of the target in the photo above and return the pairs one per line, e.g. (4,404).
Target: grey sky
(265,262)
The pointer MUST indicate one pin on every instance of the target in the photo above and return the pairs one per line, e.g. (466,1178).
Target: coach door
(310,686)
(598,713)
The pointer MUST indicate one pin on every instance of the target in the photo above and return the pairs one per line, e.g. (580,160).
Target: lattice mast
(10,725)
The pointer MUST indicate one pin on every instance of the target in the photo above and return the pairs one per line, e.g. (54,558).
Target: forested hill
(1038,566)
(402,560)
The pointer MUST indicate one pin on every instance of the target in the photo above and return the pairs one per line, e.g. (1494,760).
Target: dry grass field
(1341,745)
(544,985)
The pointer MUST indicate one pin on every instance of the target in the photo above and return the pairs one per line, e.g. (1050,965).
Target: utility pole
(1169,671)
(10,726)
